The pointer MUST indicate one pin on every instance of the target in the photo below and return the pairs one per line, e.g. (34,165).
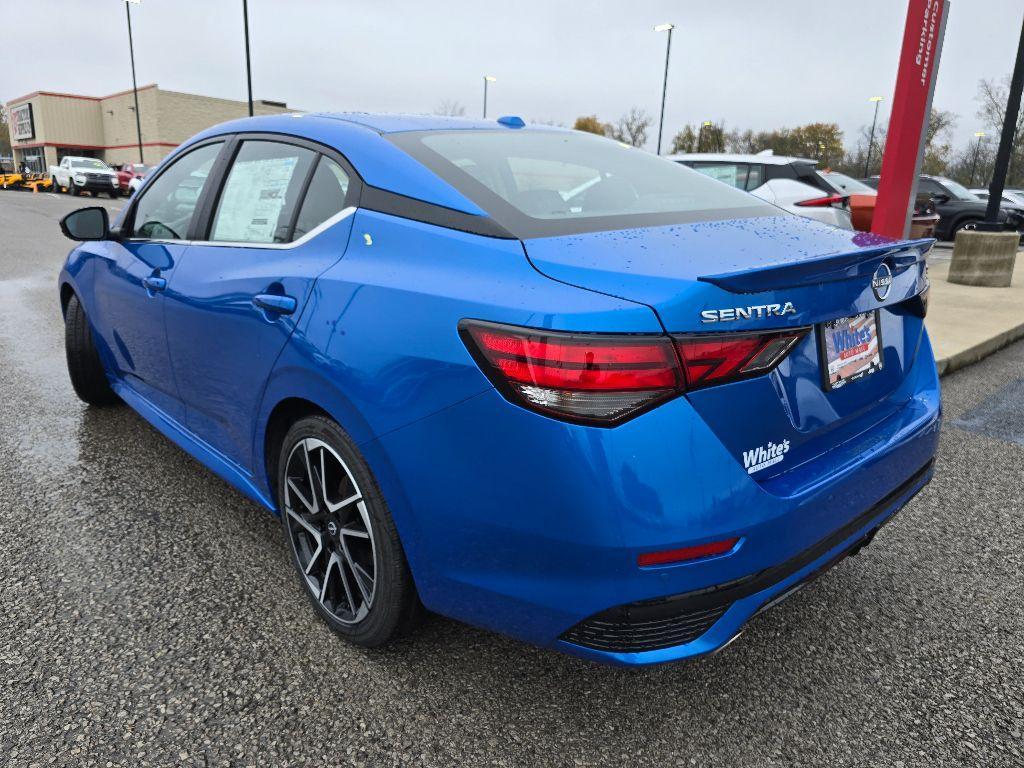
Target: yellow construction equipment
(37,181)
(10,178)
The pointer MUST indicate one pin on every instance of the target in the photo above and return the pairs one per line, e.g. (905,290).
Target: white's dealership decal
(764,456)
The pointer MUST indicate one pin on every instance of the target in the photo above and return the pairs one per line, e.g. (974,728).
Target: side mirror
(86,224)
(940,198)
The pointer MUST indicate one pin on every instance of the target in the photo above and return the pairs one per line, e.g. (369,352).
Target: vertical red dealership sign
(908,121)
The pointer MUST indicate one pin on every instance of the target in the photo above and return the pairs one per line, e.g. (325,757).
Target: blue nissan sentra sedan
(529,378)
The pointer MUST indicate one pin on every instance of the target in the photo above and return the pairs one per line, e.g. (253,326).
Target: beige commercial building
(46,126)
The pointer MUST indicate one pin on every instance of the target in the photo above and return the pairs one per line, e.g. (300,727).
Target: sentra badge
(747,313)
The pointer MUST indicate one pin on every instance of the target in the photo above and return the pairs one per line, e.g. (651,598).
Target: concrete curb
(971,355)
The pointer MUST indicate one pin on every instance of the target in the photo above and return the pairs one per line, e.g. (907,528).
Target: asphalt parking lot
(149,615)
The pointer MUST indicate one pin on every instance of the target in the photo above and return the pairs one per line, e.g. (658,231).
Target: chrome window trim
(344,213)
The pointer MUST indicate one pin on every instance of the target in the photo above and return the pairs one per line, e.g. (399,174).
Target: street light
(871,138)
(248,66)
(664,85)
(135,88)
(977,148)
(487,79)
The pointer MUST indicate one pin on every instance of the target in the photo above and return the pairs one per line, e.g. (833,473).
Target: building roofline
(79,145)
(60,95)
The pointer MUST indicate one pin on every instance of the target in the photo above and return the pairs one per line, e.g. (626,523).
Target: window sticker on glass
(253,199)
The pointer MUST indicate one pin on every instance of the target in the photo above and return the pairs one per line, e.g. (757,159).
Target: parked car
(617,418)
(791,183)
(128,171)
(862,205)
(83,174)
(1009,197)
(957,207)
(135,182)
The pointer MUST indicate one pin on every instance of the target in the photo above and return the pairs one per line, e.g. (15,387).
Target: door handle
(271,302)
(153,283)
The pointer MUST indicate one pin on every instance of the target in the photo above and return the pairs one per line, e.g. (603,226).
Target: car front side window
(165,211)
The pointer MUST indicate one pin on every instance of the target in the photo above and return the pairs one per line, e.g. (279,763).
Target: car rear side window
(261,192)
(165,211)
(324,198)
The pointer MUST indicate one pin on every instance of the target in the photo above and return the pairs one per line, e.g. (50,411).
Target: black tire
(72,189)
(963,224)
(394,607)
(84,365)
(115,194)
(54,186)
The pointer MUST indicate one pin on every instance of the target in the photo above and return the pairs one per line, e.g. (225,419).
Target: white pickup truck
(84,174)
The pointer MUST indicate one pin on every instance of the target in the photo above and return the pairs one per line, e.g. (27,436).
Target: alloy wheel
(330,531)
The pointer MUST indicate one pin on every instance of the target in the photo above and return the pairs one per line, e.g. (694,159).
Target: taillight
(822,202)
(590,378)
(720,358)
(604,379)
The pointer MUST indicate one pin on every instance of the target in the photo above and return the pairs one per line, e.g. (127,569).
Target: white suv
(792,183)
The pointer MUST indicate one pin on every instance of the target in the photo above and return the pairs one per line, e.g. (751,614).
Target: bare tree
(685,140)
(938,152)
(450,108)
(992,97)
(632,127)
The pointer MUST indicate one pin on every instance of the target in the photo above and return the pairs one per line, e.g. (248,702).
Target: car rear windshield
(540,183)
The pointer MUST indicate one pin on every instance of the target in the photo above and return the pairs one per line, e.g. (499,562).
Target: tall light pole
(977,148)
(664,83)
(248,65)
(135,88)
(871,138)
(487,79)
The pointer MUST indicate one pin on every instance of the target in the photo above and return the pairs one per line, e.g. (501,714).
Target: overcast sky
(751,63)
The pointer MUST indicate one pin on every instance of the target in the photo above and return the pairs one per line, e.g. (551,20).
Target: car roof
(729,157)
(360,137)
(398,122)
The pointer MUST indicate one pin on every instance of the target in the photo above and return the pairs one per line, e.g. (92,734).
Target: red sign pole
(908,122)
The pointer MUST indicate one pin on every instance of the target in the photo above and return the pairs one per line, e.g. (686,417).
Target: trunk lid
(761,274)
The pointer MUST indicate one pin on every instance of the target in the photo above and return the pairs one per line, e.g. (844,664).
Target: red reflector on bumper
(686,553)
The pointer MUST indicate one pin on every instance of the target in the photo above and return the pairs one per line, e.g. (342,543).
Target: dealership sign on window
(22,125)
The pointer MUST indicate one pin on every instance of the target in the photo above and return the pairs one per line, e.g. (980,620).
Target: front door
(237,296)
(132,278)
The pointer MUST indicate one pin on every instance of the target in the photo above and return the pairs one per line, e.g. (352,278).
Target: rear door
(279,220)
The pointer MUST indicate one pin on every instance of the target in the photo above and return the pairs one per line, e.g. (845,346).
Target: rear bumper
(715,615)
(531,527)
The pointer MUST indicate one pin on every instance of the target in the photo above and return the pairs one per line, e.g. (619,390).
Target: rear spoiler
(823,269)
